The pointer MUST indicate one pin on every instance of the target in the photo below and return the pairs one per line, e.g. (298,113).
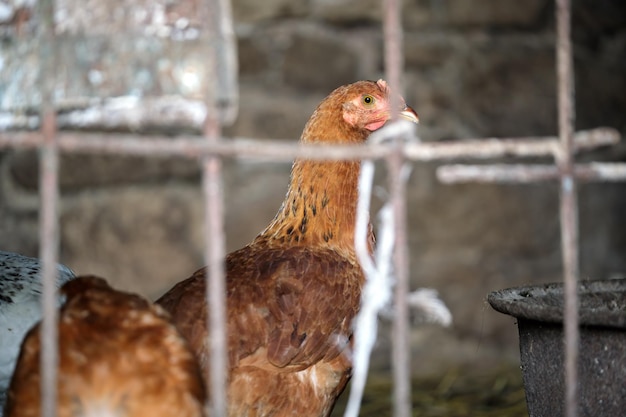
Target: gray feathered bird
(20,291)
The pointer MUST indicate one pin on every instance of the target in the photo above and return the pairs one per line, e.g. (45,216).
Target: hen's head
(351,112)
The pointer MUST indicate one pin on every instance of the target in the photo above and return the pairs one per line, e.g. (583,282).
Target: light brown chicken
(292,293)
(120,356)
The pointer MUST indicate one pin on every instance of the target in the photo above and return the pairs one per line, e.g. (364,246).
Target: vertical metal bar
(401,347)
(401,342)
(214,237)
(49,238)
(568,202)
(214,258)
(48,215)
(226,64)
(392,32)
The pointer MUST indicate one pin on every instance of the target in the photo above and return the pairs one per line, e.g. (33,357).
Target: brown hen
(119,356)
(293,292)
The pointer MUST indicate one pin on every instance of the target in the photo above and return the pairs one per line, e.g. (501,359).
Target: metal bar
(226,65)
(568,202)
(48,252)
(392,30)
(48,214)
(392,34)
(518,173)
(214,259)
(284,150)
(400,329)
(215,12)
(507,147)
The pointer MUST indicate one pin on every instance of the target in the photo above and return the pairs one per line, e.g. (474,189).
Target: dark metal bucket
(602,357)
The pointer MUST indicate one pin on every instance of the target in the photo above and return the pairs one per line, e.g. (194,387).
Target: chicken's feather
(119,356)
(279,298)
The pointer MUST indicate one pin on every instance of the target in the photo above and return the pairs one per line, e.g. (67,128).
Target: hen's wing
(294,305)
(312,298)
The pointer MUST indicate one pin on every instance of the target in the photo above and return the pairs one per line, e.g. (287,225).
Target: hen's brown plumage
(119,355)
(292,293)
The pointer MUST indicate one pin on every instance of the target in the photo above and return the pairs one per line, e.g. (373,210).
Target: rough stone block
(140,239)
(601,84)
(446,14)
(424,50)
(78,171)
(509,88)
(145,239)
(501,13)
(253,60)
(319,62)
(597,18)
(252,11)
(280,115)
(347,12)
(419,14)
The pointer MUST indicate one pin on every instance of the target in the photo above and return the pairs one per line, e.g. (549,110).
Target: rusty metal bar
(518,173)
(392,31)
(49,238)
(505,147)
(400,330)
(48,214)
(392,36)
(283,150)
(227,99)
(214,259)
(568,202)
(217,12)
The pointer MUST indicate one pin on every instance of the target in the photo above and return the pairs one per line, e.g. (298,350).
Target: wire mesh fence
(208,105)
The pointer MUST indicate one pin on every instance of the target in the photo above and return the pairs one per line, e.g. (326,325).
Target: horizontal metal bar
(486,148)
(517,173)
(283,150)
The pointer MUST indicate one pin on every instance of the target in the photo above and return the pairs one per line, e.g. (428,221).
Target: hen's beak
(409,114)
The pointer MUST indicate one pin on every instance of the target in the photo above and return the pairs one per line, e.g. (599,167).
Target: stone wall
(473,69)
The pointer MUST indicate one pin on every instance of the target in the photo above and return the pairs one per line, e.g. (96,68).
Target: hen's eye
(367,99)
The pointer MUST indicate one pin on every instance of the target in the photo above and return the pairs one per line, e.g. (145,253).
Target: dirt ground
(454,394)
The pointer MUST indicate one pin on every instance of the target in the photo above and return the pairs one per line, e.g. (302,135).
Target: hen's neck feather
(320,206)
